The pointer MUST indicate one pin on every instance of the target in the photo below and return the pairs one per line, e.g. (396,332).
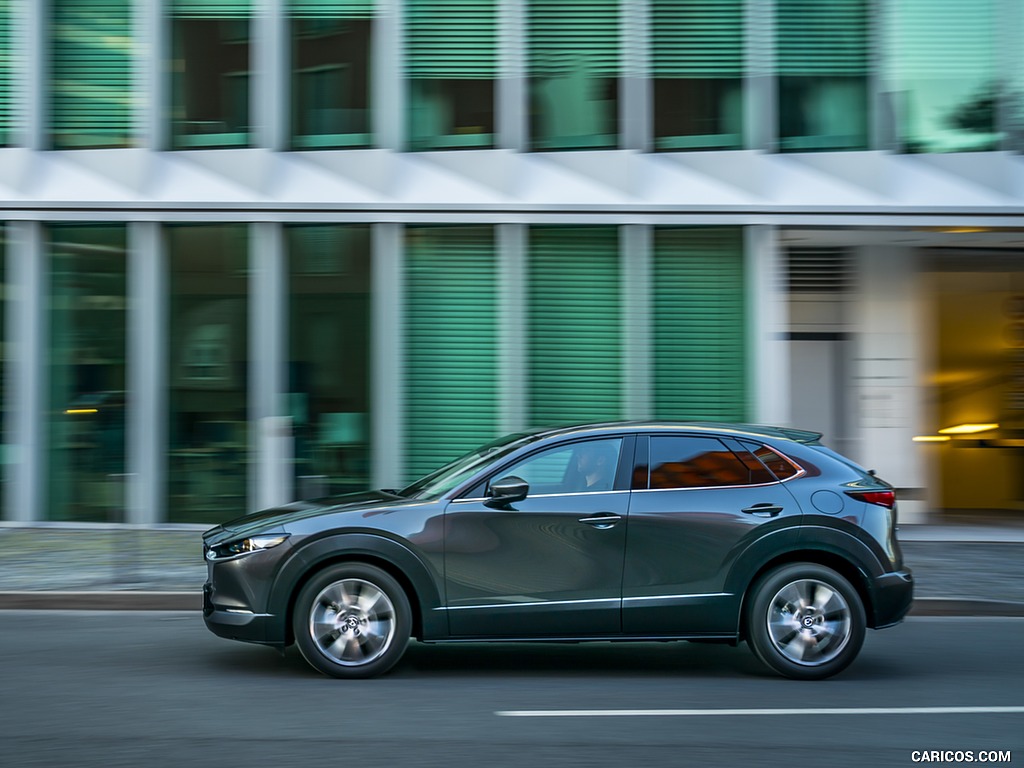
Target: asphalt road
(140,689)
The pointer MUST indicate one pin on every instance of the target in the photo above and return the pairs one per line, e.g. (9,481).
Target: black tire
(352,621)
(805,621)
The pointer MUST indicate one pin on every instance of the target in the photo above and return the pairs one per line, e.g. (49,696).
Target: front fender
(311,557)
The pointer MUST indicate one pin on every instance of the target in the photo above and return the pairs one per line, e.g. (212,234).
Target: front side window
(331,46)
(583,467)
(210,73)
(91,73)
(823,55)
(697,74)
(452,66)
(694,462)
(574,68)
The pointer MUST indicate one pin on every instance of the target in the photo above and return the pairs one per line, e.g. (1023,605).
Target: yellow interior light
(968,429)
(73,411)
(931,438)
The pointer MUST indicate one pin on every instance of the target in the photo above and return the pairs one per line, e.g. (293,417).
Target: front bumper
(240,624)
(892,596)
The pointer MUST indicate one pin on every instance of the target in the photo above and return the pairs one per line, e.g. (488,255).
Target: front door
(550,565)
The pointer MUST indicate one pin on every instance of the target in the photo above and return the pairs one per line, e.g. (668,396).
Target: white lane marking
(759,712)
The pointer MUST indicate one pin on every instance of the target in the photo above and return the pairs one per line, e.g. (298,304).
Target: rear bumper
(892,596)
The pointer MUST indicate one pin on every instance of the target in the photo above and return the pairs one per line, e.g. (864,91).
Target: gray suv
(620,531)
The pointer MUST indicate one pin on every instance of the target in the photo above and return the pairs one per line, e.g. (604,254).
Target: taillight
(885,499)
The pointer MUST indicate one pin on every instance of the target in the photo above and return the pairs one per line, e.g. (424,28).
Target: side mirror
(507,491)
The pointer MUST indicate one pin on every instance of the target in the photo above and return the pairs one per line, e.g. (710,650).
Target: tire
(805,621)
(352,621)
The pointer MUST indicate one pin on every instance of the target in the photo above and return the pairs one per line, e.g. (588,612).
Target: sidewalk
(958,569)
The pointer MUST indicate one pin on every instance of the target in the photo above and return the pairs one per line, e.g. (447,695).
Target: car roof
(711,427)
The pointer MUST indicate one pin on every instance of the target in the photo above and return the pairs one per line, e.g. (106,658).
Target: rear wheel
(805,621)
(352,621)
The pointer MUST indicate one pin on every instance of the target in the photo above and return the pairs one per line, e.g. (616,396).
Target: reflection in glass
(91,75)
(210,73)
(209,372)
(694,462)
(697,73)
(329,357)
(452,64)
(574,73)
(947,84)
(331,42)
(87,329)
(822,56)
(451,359)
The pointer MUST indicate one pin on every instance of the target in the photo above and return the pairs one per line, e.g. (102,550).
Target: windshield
(438,483)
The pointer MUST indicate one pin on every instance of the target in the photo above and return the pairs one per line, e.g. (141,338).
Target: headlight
(242,547)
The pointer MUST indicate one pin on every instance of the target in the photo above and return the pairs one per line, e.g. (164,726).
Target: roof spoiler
(804,436)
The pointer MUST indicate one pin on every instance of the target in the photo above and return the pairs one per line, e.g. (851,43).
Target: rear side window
(694,462)
(781,467)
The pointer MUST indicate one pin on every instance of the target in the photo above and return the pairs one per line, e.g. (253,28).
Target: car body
(617,531)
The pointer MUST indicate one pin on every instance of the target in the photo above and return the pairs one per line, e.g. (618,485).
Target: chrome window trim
(483,499)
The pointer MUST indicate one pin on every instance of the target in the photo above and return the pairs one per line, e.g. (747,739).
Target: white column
(387,357)
(636,104)
(147,374)
(269,85)
(767,326)
(512,351)
(889,333)
(512,100)
(30,46)
(636,254)
(760,96)
(151,87)
(26,373)
(270,474)
(388,86)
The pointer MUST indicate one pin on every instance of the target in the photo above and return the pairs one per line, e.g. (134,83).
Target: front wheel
(805,621)
(352,621)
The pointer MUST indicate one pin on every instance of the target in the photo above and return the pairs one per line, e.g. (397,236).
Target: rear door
(697,503)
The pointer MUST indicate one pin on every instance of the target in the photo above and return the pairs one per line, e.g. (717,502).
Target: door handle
(764,510)
(601,520)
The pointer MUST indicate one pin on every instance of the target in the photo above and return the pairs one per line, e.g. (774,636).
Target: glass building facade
(258,251)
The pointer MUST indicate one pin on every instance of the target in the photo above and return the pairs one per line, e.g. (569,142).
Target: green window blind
(214,9)
(936,39)
(574,318)
(331,9)
(452,39)
(92,73)
(6,65)
(698,38)
(451,356)
(567,34)
(816,38)
(699,346)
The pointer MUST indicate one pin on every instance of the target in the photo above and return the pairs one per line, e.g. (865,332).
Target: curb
(126,600)
(102,601)
(946,606)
